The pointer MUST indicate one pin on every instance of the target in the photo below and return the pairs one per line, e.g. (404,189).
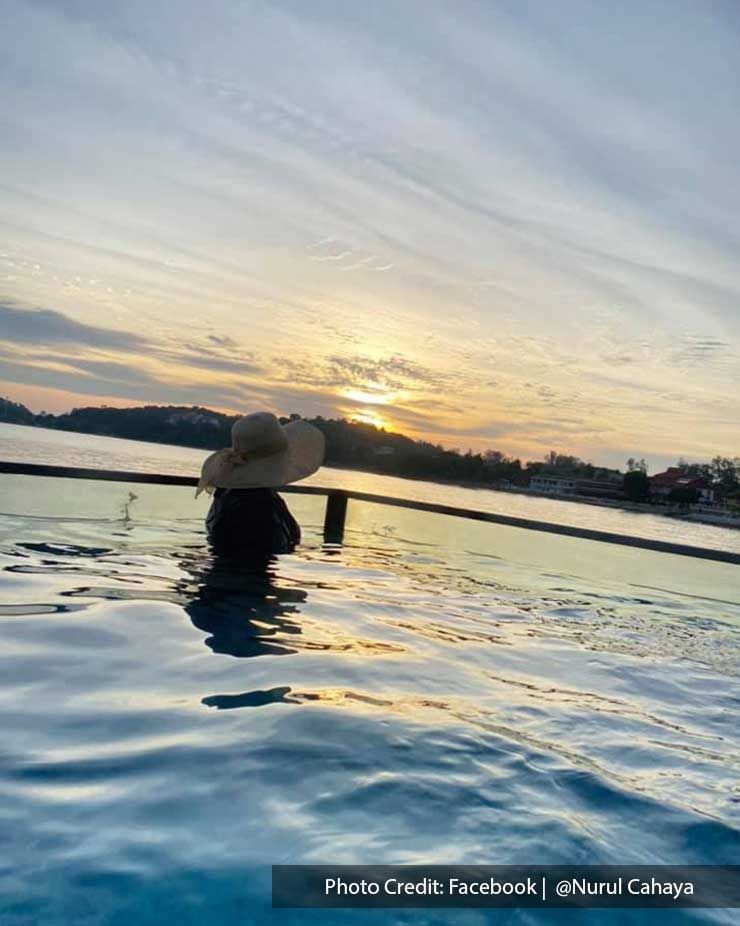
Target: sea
(432,691)
(63,448)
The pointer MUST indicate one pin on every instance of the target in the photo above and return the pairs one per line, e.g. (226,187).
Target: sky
(502,224)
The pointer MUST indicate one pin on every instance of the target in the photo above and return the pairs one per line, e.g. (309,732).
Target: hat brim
(301,457)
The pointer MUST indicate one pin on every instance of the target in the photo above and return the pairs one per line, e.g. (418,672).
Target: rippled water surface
(171,725)
(437,690)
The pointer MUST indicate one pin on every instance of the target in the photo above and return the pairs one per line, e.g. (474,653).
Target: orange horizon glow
(368,417)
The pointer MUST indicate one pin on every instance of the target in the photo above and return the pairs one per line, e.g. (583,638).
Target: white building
(554,485)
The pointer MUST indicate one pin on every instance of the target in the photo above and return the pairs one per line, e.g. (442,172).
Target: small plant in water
(126,510)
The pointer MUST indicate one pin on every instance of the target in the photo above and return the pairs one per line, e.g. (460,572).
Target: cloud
(221,340)
(88,361)
(110,373)
(335,371)
(123,381)
(50,328)
(47,326)
(229,360)
(394,372)
(701,351)
(290,200)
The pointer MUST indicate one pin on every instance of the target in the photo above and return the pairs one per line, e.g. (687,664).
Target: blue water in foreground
(172,726)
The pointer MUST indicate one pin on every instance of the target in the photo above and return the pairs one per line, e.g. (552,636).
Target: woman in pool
(247,516)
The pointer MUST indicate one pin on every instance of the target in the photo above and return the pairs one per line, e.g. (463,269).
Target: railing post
(336,514)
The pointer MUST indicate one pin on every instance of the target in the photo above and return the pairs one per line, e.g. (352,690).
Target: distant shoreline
(718,520)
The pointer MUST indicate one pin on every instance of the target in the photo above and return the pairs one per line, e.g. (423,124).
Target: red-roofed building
(674,478)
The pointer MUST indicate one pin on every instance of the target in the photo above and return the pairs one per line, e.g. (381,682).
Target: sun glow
(368,397)
(368,417)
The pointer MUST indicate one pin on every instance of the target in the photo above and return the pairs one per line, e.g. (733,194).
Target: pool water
(172,725)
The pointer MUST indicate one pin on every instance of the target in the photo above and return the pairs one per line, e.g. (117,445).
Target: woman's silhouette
(247,516)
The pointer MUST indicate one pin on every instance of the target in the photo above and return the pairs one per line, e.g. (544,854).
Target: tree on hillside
(683,495)
(15,413)
(696,470)
(636,485)
(725,473)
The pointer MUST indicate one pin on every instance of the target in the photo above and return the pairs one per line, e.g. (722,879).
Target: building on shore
(553,485)
(674,480)
(609,484)
(600,488)
(609,487)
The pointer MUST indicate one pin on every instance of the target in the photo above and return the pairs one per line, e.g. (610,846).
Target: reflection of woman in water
(242,607)
(246,610)
(247,516)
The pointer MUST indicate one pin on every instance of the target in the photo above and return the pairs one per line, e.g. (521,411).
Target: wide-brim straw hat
(263,454)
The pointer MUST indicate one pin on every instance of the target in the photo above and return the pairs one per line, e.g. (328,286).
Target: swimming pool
(433,691)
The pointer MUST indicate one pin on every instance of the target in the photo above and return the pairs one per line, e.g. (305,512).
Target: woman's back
(251,521)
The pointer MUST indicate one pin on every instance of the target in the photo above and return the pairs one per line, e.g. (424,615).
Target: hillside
(348,443)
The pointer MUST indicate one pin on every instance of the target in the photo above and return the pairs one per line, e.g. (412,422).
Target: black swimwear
(251,521)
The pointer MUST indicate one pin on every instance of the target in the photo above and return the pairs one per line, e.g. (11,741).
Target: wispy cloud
(48,326)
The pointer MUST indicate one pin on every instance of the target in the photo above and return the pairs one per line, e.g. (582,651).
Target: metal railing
(336,509)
